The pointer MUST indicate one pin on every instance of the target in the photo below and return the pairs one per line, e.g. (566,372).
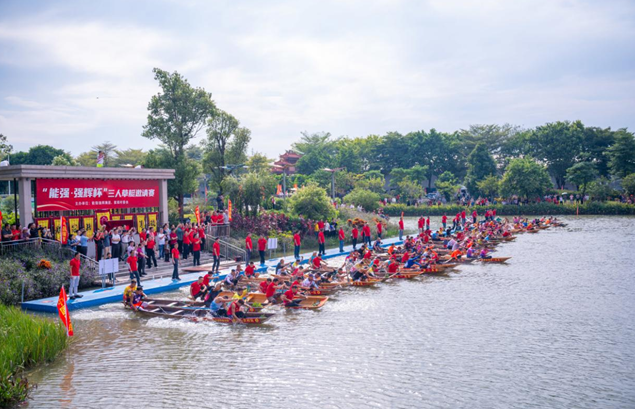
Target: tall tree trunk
(180,200)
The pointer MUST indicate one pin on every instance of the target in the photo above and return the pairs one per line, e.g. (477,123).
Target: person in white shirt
(161,242)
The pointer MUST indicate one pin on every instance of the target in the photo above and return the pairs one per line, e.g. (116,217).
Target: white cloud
(349,67)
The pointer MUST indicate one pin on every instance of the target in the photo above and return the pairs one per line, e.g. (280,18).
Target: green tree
(5,147)
(373,184)
(88,159)
(259,163)
(559,146)
(186,172)
(312,202)
(525,178)
(225,147)
(37,155)
(490,186)
(493,136)
(317,150)
(439,152)
(628,183)
(600,189)
(622,154)
(410,190)
(110,152)
(447,185)
(256,189)
(594,148)
(176,115)
(581,174)
(129,156)
(66,159)
(368,200)
(480,165)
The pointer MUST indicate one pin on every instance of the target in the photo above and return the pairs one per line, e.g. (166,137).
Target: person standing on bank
(150,245)
(83,242)
(297,242)
(249,246)
(401,228)
(342,237)
(175,263)
(354,236)
(262,247)
(74,284)
(132,266)
(321,241)
(196,250)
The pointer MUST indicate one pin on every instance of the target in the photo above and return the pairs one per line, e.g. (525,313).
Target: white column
(24,201)
(163,202)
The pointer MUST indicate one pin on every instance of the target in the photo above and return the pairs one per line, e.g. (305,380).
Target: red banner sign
(91,194)
(63,231)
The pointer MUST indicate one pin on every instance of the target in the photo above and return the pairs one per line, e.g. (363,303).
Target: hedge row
(537,209)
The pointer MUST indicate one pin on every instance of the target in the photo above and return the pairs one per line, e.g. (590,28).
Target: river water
(555,328)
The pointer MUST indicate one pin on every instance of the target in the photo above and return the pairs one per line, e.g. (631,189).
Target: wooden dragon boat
(310,303)
(495,260)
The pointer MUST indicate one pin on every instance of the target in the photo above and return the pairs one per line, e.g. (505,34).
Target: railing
(217,230)
(228,251)
(50,246)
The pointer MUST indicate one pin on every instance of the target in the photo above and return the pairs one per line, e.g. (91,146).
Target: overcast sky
(77,73)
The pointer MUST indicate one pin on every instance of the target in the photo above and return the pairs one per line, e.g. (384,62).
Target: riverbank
(25,341)
(536,209)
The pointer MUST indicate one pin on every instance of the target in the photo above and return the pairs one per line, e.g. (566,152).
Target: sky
(75,73)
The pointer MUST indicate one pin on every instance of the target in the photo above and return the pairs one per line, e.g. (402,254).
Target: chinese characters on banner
(91,194)
(89,226)
(73,224)
(197,213)
(141,222)
(152,220)
(63,231)
(229,209)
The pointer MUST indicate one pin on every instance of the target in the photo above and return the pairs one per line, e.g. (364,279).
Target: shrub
(628,183)
(312,202)
(367,199)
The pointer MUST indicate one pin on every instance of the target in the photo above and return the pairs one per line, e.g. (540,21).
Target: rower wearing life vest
(137,298)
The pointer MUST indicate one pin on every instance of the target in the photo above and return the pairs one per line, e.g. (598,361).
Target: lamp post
(332,179)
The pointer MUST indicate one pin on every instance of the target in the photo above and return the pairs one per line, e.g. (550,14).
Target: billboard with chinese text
(91,194)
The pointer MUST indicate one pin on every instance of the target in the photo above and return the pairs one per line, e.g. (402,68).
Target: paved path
(92,298)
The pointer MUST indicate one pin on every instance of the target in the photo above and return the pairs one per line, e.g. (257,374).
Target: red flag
(63,231)
(0,217)
(229,209)
(63,312)
(197,213)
